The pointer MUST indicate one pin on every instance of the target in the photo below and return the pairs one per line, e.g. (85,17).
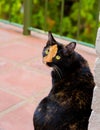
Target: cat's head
(55,53)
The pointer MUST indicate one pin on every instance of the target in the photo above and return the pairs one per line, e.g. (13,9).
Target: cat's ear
(69,48)
(51,39)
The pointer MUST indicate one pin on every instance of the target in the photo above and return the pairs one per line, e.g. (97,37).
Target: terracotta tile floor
(24,79)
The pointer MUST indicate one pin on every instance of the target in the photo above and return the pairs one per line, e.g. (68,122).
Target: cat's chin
(49,64)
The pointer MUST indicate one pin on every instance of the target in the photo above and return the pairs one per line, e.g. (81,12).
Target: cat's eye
(47,51)
(58,57)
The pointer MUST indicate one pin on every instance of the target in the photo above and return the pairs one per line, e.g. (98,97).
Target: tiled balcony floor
(24,79)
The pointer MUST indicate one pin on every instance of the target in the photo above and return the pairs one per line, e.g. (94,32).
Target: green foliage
(87,14)
(79,18)
(11,10)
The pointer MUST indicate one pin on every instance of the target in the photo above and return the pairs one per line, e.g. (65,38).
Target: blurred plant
(79,18)
(11,10)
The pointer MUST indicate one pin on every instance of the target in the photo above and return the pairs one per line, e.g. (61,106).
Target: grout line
(22,64)
(12,93)
(11,42)
(12,108)
(16,106)
(17,62)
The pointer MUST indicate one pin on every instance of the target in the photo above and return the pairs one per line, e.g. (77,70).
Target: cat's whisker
(57,69)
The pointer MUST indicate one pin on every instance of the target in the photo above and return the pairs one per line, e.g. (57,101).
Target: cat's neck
(65,76)
(69,72)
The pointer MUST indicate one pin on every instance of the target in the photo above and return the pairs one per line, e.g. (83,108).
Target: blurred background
(77,19)
(24,79)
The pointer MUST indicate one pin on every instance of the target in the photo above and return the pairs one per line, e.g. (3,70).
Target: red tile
(22,73)
(6,66)
(37,64)
(7,100)
(25,82)
(18,52)
(7,37)
(19,119)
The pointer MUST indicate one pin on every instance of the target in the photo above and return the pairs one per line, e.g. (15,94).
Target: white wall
(95,117)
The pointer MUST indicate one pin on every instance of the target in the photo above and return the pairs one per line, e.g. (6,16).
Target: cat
(68,104)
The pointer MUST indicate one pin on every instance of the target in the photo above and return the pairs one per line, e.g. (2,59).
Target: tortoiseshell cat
(68,105)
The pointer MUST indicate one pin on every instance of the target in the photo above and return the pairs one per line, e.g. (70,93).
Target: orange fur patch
(52,53)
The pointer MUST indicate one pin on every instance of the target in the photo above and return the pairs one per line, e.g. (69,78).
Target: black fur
(68,105)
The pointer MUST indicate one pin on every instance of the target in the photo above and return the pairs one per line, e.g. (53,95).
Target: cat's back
(83,72)
(49,116)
